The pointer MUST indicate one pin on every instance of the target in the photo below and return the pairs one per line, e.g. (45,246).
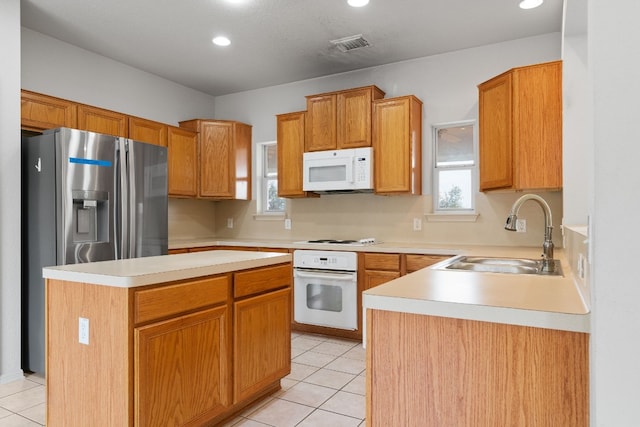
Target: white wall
(55,68)
(447,85)
(10,191)
(614,61)
(577,137)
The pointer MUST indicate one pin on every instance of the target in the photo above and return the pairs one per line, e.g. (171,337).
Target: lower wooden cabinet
(436,371)
(182,369)
(380,268)
(261,336)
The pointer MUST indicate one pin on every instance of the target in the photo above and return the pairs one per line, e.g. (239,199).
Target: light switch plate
(229,222)
(521,225)
(287,224)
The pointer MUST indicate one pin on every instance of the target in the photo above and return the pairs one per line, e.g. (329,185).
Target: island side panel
(426,370)
(88,383)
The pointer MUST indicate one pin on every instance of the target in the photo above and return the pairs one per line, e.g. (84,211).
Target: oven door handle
(332,276)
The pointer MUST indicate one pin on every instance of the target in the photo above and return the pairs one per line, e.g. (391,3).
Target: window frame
(437,169)
(263,182)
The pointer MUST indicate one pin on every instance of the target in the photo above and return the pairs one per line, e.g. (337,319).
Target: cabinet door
(354,117)
(373,278)
(495,131)
(147,131)
(262,349)
(182,162)
(538,126)
(321,123)
(182,369)
(40,112)
(397,142)
(418,262)
(291,133)
(216,162)
(102,121)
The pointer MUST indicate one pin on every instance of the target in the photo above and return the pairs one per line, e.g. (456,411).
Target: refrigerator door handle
(123,209)
(131,209)
(117,220)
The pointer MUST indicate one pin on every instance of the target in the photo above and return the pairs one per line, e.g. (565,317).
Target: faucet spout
(548,263)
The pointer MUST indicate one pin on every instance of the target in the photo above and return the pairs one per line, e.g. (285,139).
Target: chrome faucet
(548,263)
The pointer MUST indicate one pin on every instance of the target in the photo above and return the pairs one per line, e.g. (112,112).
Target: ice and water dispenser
(90,216)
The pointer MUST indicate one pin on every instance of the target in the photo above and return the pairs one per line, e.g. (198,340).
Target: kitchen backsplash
(364,215)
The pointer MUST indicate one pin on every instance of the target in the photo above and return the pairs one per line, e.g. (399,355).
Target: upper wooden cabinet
(182,165)
(290,136)
(340,119)
(103,121)
(397,145)
(224,158)
(521,129)
(41,112)
(147,131)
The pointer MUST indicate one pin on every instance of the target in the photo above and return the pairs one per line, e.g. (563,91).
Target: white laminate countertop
(159,269)
(551,302)
(528,300)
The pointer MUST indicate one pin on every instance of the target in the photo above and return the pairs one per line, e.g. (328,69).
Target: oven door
(326,298)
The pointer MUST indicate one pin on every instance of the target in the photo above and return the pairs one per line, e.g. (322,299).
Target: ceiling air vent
(346,44)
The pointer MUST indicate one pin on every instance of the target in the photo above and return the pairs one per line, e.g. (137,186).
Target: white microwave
(338,170)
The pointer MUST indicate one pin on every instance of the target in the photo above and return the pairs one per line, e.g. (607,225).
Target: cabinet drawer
(261,280)
(173,299)
(417,262)
(390,262)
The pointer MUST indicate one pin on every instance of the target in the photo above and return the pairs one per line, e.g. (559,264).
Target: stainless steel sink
(500,265)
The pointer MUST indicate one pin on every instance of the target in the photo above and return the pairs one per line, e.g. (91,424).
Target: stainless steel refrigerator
(85,197)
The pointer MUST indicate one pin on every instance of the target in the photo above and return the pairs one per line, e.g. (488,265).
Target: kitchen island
(186,339)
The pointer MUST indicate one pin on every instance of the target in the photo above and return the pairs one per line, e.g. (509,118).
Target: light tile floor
(326,387)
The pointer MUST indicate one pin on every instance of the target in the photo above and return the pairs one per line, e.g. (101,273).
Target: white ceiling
(278,41)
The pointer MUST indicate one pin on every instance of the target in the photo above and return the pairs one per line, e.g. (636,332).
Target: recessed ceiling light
(358,3)
(221,41)
(530,4)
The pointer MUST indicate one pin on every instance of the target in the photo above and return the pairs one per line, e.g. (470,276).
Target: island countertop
(166,268)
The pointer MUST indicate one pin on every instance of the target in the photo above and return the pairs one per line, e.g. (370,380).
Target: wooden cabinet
(182,165)
(262,328)
(380,268)
(397,145)
(415,262)
(182,369)
(452,372)
(342,119)
(103,121)
(290,137)
(40,112)
(520,129)
(147,131)
(224,162)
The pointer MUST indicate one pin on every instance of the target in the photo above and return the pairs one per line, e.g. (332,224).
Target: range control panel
(325,260)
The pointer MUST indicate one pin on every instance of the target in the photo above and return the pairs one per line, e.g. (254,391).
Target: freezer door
(86,197)
(147,217)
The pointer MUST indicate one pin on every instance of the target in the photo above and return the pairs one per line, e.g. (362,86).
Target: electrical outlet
(581,266)
(83,330)
(521,225)
(229,222)
(417,224)
(287,224)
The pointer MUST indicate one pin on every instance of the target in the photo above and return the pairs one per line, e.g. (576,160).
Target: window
(267,165)
(455,167)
